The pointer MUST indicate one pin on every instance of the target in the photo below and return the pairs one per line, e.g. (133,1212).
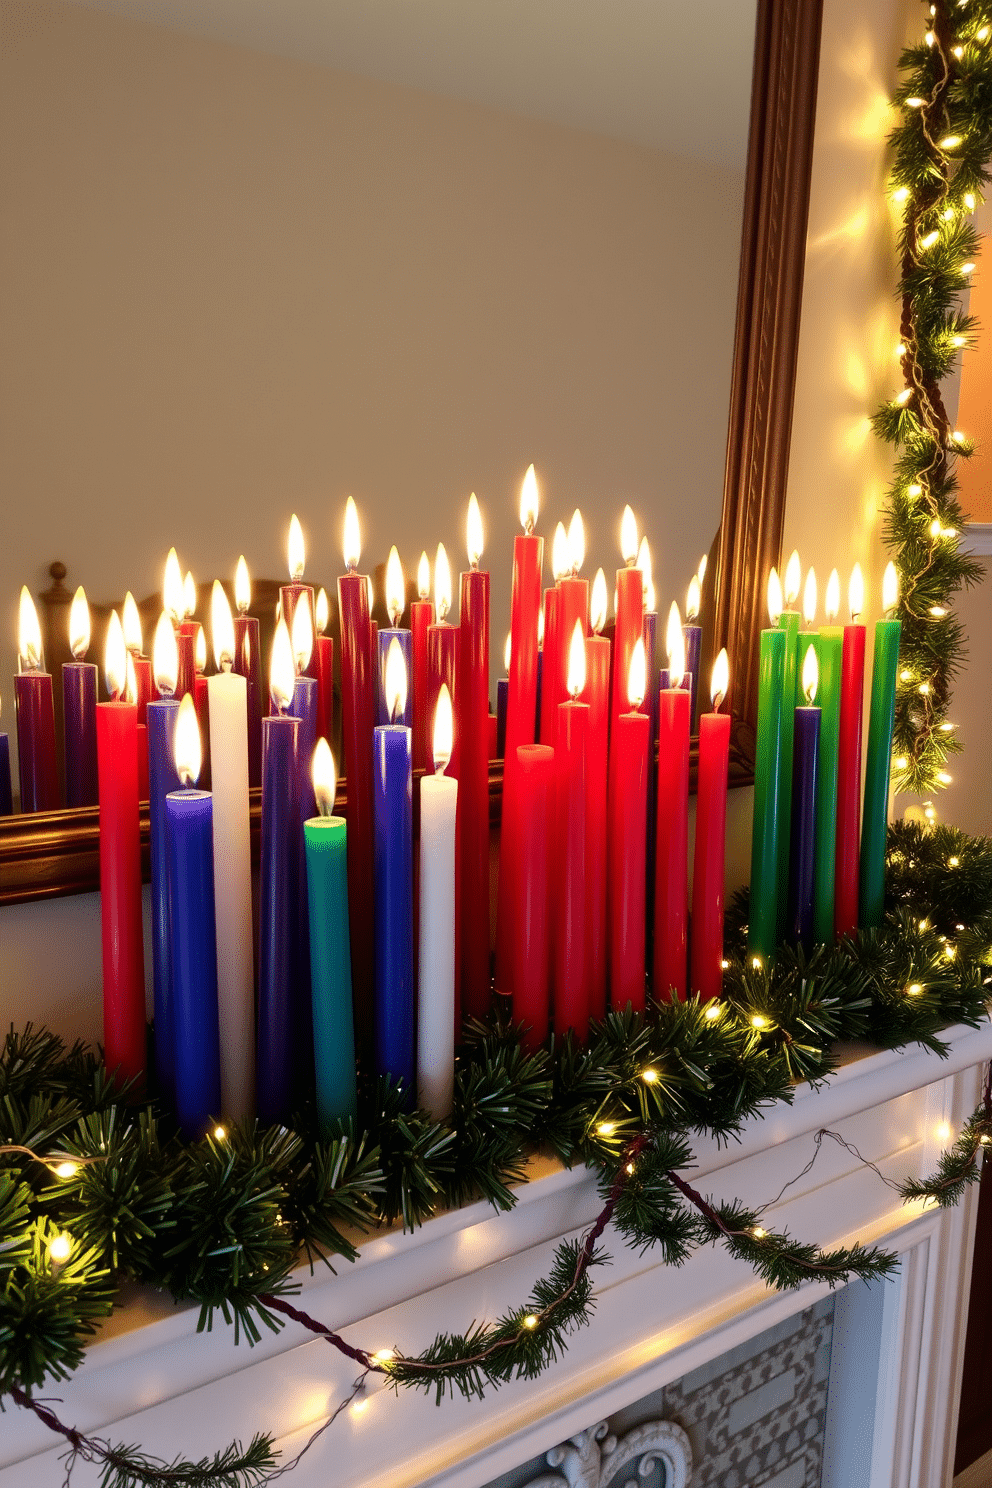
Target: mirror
(234,301)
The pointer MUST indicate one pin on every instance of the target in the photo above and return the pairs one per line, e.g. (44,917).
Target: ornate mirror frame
(47,855)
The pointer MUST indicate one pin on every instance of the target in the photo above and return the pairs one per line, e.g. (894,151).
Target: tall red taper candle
(570,967)
(852,682)
(628,839)
(708,870)
(324,669)
(548,700)
(671,889)
(630,615)
(597,695)
(473,793)
(531,888)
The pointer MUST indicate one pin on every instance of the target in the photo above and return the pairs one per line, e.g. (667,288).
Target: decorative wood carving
(596,1458)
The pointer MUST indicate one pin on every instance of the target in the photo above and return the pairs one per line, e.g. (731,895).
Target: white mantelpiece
(151,1379)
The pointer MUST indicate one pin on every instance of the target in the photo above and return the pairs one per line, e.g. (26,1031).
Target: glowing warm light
(720,679)
(473,531)
(759,1233)
(325,782)
(774,596)
(352,536)
(424,577)
(395,587)
(540,629)
(528,501)
(200,652)
(628,536)
(242,586)
(970,199)
(383,1356)
(506,653)
(900,194)
(28,634)
(927,241)
(186,742)
(811,675)
(189,595)
(576,542)
(115,657)
(221,627)
(165,656)
(296,553)
(647,574)
(967,268)
(675,645)
(559,553)
(831,604)
(890,588)
(701,570)
(692,599)
(758,1020)
(323,610)
(130,620)
(60,1249)
(302,634)
(950,142)
(793,578)
(649,1076)
(912,103)
(130,679)
(856,593)
(79,624)
(637,675)
(673,627)
(395,681)
(606,1128)
(172,588)
(282,669)
(442,583)
(809,598)
(530,1321)
(67,1170)
(576,679)
(370,592)
(713,1010)
(444,730)
(599,602)
(220,1133)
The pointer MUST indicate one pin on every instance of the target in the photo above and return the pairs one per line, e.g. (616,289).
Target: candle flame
(395,587)
(576,542)
(424,577)
(540,629)
(172,588)
(647,573)
(165,656)
(673,628)
(628,536)
(701,570)
(831,603)
(529,501)
(325,782)
(692,599)
(506,652)
(720,680)
(189,595)
(675,644)
(559,553)
(296,552)
(186,744)
(442,583)
(473,531)
(242,586)
(222,627)
(809,598)
(774,596)
(130,680)
(637,675)
(115,657)
(811,674)
(370,592)
(856,592)
(323,610)
(282,669)
(599,603)
(793,578)
(890,588)
(352,536)
(28,634)
(200,652)
(302,634)
(130,620)
(395,681)
(576,662)
(444,730)
(79,624)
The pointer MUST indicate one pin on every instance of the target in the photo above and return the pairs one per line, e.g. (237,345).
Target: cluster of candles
(818,859)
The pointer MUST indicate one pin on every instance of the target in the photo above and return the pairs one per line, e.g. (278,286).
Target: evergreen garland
(941,150)
(224,1221)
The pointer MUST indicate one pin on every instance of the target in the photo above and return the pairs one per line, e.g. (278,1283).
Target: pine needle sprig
(958,1167)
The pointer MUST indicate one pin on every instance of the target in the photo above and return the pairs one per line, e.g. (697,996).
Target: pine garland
(941,150)
(224,1221)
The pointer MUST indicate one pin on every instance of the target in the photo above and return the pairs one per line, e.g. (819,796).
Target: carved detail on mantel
(595,1458)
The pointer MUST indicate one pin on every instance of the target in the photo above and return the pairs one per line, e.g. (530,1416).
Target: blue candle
(161,717)
(6,790)
(540,692)
(393,814)
(502,693)
(405,640)
(649,634)
(805,774)
(305,707)
(189,835)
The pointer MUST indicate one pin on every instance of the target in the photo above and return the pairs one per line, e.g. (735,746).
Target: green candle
(875,818)
(829,654)
(762,935)
(326,839)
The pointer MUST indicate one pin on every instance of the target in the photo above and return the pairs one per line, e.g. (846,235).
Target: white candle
(227,697)
(436,1000)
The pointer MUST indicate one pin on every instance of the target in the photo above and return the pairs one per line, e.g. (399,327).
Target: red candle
(573,604)
(549,641)
(291,593)
(247,664)
(628,839)
(597,694)
(131,624)
(630,614)
(473,793)
(570,969)
(852,682)
(671,887)
(421,616)
(120,871)
(357,708)
(176,594)
(35,706)
(442,654)
(711,841)
(531,833)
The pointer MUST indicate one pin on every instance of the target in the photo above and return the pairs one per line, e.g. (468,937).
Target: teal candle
(829,652)
(875,816)
(788,624)
(326,842)
(769,803)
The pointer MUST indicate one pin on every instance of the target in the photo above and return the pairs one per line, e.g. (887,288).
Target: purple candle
(305,706)
(805,770)
(6,794)
(247,664)
(652,704)
(79,700)
(35,716)
(292,593)
(160,716)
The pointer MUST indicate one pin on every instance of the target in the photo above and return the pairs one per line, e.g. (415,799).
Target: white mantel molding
(150,1378)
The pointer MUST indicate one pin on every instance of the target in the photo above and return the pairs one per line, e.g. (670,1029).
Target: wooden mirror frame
(44,855)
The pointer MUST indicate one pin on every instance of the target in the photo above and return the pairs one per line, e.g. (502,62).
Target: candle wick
(226,664)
